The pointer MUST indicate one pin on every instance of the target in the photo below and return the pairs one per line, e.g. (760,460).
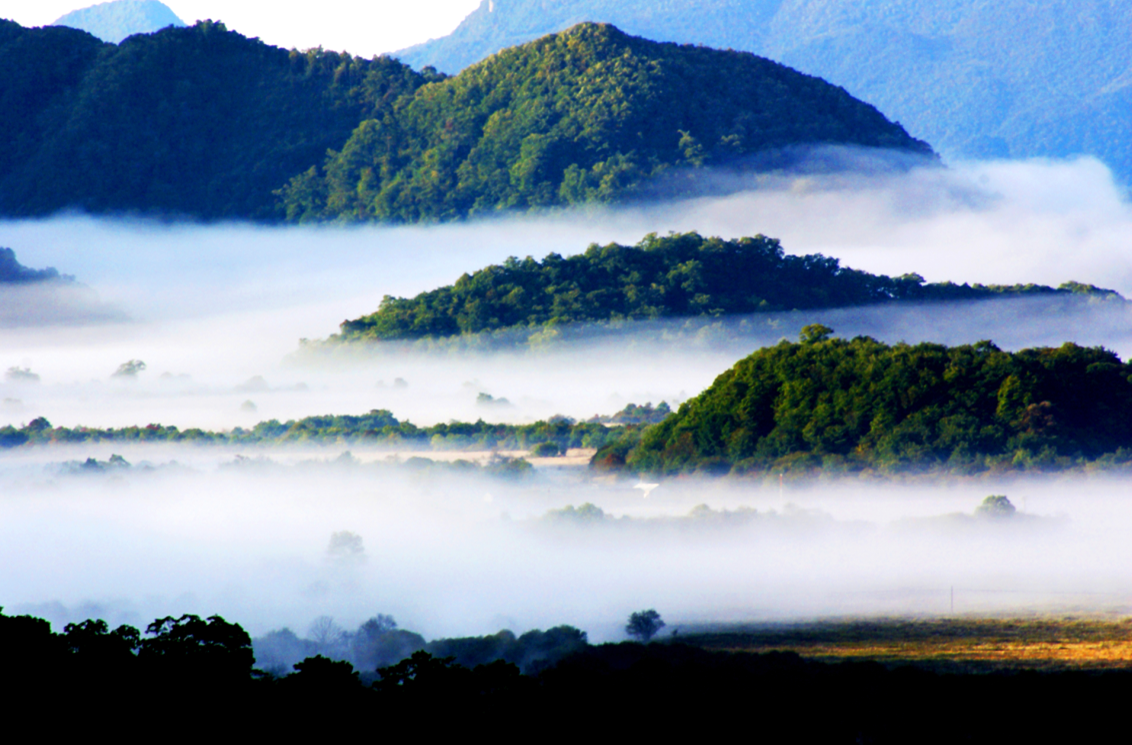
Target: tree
(644,625)
(129,369)
(193,650)
(326,633)
(996,505)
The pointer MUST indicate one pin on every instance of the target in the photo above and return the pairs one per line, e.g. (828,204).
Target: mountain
(1010,78)
(860,404)
(590,114)
(116,20)
(679,275)
(205,123)
(196,121)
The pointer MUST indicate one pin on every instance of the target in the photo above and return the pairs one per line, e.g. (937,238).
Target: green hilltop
(844,405)
(679,275)
(199,121)
(587,115)
(202,122)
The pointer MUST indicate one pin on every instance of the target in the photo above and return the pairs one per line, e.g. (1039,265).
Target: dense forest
(857,404)
(200,675)
(197,121)
(660,277)
(589,114)
(206,123)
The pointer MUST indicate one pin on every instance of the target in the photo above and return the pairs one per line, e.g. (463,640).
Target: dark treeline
(858,404)
(378,427)
(378,643)
(678,275)
(204,122)
(198,676)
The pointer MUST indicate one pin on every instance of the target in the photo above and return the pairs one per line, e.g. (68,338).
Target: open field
(962,643)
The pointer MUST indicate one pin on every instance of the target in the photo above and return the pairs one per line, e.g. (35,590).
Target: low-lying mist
(216,314)
(217,311)
(452,555)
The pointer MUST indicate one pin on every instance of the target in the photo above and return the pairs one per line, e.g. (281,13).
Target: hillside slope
(976,79)
(116,20)
(589,114)
(679,275)
(852,404)
(197,121)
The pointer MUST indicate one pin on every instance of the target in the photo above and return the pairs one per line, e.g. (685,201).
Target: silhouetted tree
(644,625)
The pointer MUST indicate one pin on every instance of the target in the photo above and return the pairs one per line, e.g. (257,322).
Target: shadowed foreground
(197,675)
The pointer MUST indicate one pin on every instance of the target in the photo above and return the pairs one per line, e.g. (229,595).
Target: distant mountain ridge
(119,19)
(976,79)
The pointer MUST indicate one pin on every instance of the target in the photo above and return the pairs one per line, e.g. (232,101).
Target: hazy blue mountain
(976,78)
(116,20)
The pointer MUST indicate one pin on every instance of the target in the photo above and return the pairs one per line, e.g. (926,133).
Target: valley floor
(965,643)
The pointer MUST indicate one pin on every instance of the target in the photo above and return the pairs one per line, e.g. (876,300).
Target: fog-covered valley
(216,312)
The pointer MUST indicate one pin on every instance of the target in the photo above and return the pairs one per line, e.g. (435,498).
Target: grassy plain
(964,643)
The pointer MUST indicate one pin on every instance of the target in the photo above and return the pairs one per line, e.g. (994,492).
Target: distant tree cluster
(837,404)
(378,427)
(678,275)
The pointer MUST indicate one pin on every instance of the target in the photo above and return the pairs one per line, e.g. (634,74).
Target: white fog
(216,313)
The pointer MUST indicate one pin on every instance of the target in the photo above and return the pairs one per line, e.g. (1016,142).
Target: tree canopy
(206,123)
(858,403)
(661,276)
(588,114)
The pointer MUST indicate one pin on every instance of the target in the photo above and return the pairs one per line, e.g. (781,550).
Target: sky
(361,28)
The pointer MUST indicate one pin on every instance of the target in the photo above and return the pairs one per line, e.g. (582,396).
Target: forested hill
(197,121)
(662,276)
(844,405)
(1010,78)
(589,114)
(206,123)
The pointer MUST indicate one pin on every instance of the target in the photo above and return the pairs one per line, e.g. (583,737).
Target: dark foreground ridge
(679,275)
(202,122)
(199,675)
(837,405)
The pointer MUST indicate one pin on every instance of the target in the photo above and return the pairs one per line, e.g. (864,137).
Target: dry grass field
(963,643)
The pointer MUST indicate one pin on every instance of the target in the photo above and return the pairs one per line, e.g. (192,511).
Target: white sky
(361,27)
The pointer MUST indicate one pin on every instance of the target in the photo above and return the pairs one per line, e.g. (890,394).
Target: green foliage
(682,274)
(587,115)
(197,121)
(997,506)
(377,427)
(644,625)
(838,404)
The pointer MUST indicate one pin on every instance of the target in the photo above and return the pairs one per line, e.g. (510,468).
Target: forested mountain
(976,79)
(197,121)
(589,114)
(671,276)
(206,123)
(114,21)
(854,404)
